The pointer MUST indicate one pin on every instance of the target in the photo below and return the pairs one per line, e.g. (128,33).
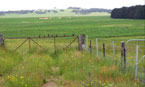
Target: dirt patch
(55,69)
(50,84)
(52,81)
(43,18)
(105,69)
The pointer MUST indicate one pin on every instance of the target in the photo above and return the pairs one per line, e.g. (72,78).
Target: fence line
(103,51)
(116,48)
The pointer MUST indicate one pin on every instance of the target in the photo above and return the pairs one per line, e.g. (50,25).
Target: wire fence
(111,48)
(100,47)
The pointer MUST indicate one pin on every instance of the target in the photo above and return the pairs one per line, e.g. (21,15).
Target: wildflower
(104,84)
(88,84)
(13,78)
(21,77)
(8,77)
(100,82)
(92,82)
(83,82)
(2,79)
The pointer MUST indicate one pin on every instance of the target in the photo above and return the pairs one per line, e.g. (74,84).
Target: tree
(133,12)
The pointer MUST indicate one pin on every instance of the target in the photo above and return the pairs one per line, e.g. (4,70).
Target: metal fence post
(104,50)
(136,65)
(123,56)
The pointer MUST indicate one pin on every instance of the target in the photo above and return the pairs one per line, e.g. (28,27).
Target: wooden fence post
(86,43)
(113,48)
(97,47)
(104,50)
(123,56)
(54,45)
(81,42)
(29,43)
(2,41)
(90,46)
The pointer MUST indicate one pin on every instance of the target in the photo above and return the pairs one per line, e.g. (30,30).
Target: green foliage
(8,61)
(81,67)
(133,12)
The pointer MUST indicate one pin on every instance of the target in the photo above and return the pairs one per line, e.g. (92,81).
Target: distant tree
(74,8)
(54,11)
(133,12)
(87,11)
(48,11)
(62,10)
(40,12)
(2,13)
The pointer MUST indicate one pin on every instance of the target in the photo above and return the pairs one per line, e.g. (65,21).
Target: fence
(17,43)
(130,56)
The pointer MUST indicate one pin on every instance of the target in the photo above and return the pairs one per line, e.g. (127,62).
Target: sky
(6,5)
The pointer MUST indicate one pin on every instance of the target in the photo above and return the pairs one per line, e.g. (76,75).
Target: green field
(37,67)
(95,26)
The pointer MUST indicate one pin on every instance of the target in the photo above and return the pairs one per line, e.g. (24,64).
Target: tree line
(133,12)
(87,11)
(29,11)
(76,10)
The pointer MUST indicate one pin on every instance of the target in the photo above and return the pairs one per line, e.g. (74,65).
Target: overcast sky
(61,4)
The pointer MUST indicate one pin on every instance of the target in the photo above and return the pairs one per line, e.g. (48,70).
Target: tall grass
(71,68)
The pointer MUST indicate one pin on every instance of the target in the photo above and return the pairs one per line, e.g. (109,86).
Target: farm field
(40,67)
(93,26)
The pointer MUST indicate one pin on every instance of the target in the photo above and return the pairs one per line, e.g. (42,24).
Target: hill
(52,13)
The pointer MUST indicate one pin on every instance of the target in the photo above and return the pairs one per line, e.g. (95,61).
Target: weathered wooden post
(2,41)
(81,42)
(97,47)
(29,42)
(90,46)
(54,45)
(104,50)
(48,35)
(86,42)
(123,56)
(39,36)
(113,48)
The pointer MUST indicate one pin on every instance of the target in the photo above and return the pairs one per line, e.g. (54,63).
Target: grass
(37,67)
(93,26)
(68,68)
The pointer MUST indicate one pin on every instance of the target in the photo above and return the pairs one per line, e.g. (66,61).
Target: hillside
(49,13)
